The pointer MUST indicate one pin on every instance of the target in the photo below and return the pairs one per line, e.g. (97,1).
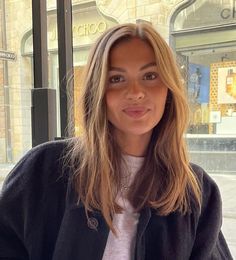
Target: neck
(133,145)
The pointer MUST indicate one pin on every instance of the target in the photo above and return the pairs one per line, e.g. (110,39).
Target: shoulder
(39,176)
(34,195)
(204,179)
(45,152)
(42,166)
(209,242)
(210,193)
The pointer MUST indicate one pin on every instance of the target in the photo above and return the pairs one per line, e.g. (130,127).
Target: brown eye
(150,76)
(116,79)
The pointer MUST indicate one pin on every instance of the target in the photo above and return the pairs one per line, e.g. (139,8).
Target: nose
(135,91)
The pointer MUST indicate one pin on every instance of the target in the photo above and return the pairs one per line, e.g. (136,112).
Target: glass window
(15,81)
(206,52)
(16,77)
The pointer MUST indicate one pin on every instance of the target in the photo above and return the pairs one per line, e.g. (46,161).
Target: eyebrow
(151,64)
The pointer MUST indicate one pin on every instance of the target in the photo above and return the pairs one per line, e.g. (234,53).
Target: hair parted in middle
(166,181)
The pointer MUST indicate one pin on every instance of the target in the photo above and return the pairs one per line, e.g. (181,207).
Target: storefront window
(204,38)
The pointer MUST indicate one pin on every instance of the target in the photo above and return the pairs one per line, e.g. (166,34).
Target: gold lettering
(89,29)
(80,30)
(102,26)
(92,28)
(86,28)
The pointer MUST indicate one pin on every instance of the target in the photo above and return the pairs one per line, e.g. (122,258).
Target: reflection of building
(201,33)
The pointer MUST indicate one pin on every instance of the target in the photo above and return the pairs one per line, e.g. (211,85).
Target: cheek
(110,103)
(165,94)
(161,95)
(108,99)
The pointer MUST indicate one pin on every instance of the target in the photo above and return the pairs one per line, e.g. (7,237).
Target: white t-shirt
(122,247)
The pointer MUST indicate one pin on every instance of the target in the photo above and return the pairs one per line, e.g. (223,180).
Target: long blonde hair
(166,181)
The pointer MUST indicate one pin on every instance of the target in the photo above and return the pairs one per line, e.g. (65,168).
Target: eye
(150,76)
(116,79)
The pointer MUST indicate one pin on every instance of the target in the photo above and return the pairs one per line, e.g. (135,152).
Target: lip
(136,112)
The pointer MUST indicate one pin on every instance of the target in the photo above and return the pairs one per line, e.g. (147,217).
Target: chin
(138,132)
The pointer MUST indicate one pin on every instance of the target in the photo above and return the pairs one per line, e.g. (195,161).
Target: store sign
(88,24)
(84,29)
(7,55)
(89,28)
(228,13)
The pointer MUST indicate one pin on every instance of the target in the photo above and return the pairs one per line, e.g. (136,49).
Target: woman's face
(135,94)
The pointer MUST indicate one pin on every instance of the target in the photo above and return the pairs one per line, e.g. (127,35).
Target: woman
(126,189)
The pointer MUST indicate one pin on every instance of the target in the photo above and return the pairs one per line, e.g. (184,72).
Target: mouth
(136,112)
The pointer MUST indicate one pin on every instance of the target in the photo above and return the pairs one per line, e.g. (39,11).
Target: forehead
(131,48)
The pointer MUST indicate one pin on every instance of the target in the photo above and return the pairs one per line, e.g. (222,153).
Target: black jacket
(40,220)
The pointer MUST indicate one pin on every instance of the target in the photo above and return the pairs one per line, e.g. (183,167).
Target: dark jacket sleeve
(24,202)
(209,241)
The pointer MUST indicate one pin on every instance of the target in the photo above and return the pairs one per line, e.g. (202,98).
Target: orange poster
(227,85)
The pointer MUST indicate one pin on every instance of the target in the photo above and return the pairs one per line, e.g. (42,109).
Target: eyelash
(150,74)
(119,78)
(115,77)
